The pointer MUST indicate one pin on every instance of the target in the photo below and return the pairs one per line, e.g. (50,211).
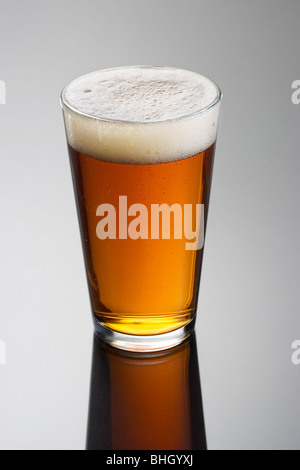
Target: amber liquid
(141,286)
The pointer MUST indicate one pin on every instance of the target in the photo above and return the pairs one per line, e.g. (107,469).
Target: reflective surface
(145,401)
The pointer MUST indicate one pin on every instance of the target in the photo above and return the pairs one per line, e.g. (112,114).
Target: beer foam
(141,115)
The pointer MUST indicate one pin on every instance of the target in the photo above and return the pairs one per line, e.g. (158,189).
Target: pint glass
(141,145)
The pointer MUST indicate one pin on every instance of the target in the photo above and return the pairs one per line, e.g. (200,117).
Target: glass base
(144,343)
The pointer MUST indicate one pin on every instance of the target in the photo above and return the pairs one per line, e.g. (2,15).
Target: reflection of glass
(146,402)
(141,145)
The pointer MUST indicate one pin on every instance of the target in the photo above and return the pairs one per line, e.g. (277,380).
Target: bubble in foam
(141,114)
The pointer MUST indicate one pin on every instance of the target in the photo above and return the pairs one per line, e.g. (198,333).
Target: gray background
(249,302)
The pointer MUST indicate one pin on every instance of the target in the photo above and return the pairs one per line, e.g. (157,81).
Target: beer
(140,286)
(131,156)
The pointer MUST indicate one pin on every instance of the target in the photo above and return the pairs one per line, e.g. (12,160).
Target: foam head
(141,115)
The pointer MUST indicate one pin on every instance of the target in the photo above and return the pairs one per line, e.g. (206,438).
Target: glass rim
(206,108)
